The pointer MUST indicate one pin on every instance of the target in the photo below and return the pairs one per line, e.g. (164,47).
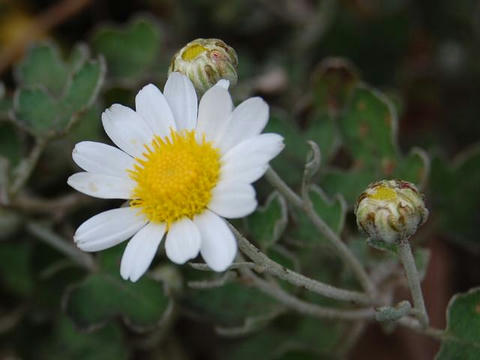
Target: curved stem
(429,331)
(26,167)
(304,307)
(406,257)
(342,250)
(295,278)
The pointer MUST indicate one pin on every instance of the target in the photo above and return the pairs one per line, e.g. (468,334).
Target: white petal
(108,228)
(102,186)
(140,251)
(233,200)
(182,98)
(248,161)
(101,158)
(223,83)
(183,241)
(127,129)
(247,120)
(152,106)
(218,247)
(213,112)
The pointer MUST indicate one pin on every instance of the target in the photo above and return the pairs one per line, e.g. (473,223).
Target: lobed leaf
(69,343)
(105,295)
(229,305)
(44,104)
(462,339)
(368,127)
(43,65)
(455,186)
(130,51)
(332,211)
(15,266)
(268,223)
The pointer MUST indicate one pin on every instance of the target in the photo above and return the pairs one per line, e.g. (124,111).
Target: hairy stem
(26,167)
(406,257)
(342,250)
(295,278)
(429,331)
(304,307)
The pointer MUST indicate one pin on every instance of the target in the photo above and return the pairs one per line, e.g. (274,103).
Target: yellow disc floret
(192,51)
(175,177)
(383,193)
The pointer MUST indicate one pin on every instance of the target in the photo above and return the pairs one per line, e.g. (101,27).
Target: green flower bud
(390,210)
(206,61)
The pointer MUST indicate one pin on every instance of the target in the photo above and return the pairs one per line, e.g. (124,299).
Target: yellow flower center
(175,178)
(383,193)
(192,52)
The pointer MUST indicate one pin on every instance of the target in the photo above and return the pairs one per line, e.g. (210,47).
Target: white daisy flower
(183,169)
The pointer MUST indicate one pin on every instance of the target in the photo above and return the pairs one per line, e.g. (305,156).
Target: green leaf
(104,295)
(415,167)
(129,51)
(69,343)
(369,127)
(391,248)
(229,305)
(462,339)
(455,196)
(43,111)
(88,126)
(289,162)
(5,103)
(82,91)
(332,211)
(43,66)
(36,109)
(349,183)
(333,81)
(268,223)
(313,339)
(422,259)
(303,355)
(15,267)
(264,342)
(10,144)
(321,129)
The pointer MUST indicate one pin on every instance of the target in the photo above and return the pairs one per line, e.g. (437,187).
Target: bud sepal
(205,62)
(390,211)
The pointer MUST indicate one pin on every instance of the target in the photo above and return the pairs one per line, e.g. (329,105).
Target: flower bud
(390,210)
(206,61)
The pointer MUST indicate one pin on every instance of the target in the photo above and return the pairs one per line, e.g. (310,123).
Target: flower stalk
(342,250)
(406,257)
(295,278)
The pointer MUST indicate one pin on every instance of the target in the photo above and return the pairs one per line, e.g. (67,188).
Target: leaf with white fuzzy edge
(43,65)
(104,295)
(45,105)
(369,132)
(130,50)
(251,324)
(454,185)
(268,223)
(229,305)
(461,339)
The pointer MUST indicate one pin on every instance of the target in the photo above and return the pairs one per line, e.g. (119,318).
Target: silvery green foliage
(56,100)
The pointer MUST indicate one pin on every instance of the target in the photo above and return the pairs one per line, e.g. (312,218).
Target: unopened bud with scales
(205,62)
(390,210)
